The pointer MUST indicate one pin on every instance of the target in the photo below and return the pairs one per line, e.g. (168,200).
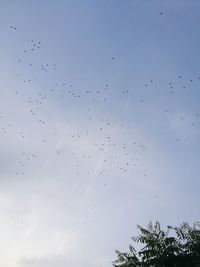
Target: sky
(99,126)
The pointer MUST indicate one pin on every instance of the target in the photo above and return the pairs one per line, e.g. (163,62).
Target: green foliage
(175,247)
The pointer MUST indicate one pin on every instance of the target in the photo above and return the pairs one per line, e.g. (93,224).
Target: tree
(175,247)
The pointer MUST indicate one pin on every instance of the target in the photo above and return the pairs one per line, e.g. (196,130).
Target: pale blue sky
(105,139)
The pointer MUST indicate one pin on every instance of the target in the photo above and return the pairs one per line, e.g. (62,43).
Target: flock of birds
(94,98)
(110,151)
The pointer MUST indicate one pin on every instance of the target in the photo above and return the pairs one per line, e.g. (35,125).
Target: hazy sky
(99,126)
